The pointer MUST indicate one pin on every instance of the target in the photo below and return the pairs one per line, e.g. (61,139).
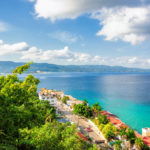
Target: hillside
(8,66)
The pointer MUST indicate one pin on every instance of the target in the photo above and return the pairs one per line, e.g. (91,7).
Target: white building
(52,99)
(51,95)
(146,132)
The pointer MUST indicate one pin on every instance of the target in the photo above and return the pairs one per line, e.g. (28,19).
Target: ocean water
(125,95)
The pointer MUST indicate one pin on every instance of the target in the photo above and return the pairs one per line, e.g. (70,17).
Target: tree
(109,131)
(65,99)
(102,119)
(23,68)
(96,107)
(20,106)
(139,143)
(122,132)
(131,135)
(28,123)
(85,102)
(83,110)
(52,136)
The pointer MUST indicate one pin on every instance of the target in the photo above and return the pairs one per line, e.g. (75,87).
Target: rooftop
(118,123)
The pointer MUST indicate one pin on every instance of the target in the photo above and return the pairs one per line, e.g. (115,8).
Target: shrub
(96,107)
(139,143)
(131,136)
(117,145)
(122,131)
(109,131)
(83,110)
(101,126)
(102,119)
(65,99)
(52,136)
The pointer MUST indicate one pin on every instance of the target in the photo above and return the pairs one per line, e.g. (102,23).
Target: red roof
(82,136)
(138,135)
(114,120)
(108,114)
(146,140)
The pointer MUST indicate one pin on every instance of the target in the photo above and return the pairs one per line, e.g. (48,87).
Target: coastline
(116,121)
(105,125)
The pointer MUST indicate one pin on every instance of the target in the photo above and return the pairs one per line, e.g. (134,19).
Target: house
(51,99)
(146,132)
(51,95)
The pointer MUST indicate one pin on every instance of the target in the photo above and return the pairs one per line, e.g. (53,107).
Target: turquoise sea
(125,95)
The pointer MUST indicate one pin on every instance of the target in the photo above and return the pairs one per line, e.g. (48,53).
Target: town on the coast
(95,125)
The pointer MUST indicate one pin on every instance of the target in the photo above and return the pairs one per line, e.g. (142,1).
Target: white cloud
(62,55)
(22,52)
(132,60)
(64,36)
(3,27)
(71,9)
(128,24)
(12,48)
(126,20)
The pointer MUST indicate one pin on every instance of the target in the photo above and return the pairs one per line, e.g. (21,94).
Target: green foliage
(27,123)
(102,119)
(20,106)
(96,107)
(65,99)
(122,131)
(139,143)
(131,136)
(101,126)
(21,69)
(109,131)
(7,147)
(52,136)
(85,102)
(83,109)
(117,145)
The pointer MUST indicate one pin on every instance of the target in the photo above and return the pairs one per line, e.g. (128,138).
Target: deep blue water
(126,95)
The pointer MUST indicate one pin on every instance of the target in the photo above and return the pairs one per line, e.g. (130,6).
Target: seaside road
(81,122)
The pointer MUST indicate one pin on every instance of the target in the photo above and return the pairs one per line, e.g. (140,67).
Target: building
(51,95)
(51,99)
(146,132)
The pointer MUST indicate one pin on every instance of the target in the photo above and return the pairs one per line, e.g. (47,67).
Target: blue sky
(102,32)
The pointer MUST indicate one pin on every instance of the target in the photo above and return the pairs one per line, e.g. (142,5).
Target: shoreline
(117,122)
(66,103)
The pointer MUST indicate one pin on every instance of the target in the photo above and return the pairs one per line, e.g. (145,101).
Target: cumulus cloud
(12,48)
(23,52)
(128,24)
(126,20)
(65,55)
(71,9)
(64,36)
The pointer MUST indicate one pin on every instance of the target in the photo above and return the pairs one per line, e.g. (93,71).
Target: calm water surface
(126,95)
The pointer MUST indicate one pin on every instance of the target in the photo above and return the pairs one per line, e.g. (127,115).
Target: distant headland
(8,66)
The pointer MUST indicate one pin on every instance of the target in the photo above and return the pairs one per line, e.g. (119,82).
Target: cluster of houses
(51,95)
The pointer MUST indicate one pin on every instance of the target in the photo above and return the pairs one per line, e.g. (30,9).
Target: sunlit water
(126,95)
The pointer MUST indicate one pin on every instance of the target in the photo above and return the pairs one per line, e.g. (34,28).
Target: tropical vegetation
(65,99)
(83,109)
(28,123)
